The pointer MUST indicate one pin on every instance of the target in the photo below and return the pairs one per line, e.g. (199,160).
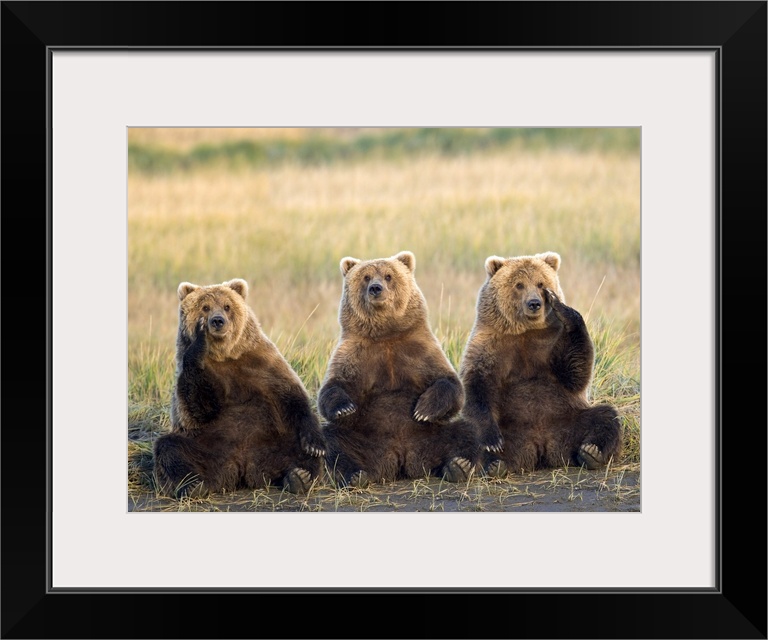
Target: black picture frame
(736,608)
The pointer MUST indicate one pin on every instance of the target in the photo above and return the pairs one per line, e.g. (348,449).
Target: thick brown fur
(390,395)
(240,415)
(526,370)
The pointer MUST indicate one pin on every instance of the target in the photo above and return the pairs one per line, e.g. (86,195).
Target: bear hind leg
(601,441)
(345,473)
(450,451)
(353,460)
(177,471)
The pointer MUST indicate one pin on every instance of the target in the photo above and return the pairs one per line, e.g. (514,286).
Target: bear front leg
(442,400)
(297,412)
(195,390)
(197,347)
(573,356)
(333,402)
(481,397)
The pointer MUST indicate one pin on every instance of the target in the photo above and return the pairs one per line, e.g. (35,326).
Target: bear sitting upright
(240,415)
(390,395)
(526,370)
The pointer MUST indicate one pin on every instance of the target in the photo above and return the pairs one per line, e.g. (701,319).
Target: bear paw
(313,444)
(458,470)
(492,440)
(359,479)
(556,305)
(567,315)
(440,401)
(590,456)
(297,480)
(497,469)
(191,488)
(201,331)
(345,410)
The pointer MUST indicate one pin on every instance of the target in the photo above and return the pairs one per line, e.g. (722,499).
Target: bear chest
(392,366)
(524,358)
(241,380)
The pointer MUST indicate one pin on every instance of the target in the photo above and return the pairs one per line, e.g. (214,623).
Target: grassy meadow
(281,207)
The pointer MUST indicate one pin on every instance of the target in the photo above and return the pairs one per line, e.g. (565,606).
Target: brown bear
(240,415)
(526,371)
(390,396)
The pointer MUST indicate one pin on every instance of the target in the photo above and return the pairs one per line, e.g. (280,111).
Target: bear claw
(458,470)
(421,418)
(346,410)
(313,449)
(492,440)
(590,456)
(496,447)
(297,480)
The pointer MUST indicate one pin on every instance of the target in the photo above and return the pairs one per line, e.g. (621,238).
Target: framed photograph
(689,77)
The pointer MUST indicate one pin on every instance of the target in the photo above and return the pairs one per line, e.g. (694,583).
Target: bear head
(221,307)
(380,295)
(512,299)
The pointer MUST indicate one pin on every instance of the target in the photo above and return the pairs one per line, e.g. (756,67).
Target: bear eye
(520,286)
(540,285)
(388,277)
(206,308)
(226,307)
(367,278)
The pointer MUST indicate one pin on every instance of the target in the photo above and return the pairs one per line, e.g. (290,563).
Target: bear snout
(217,322)
(375,289)
(533,305)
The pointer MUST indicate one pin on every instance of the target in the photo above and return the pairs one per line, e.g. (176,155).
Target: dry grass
(616,488)
(286,229)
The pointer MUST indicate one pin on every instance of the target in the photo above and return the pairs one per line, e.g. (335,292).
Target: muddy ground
(565,489)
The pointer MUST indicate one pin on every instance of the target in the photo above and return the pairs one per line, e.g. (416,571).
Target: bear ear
(551,258)
(185,288)
(347,263)
(493,264)
(239,285)
(407,258)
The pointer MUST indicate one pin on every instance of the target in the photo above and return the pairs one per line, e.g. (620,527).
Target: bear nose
(217,322)
(534,305)
(375,289)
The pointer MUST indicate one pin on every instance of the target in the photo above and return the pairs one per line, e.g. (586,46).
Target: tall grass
(451,197)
